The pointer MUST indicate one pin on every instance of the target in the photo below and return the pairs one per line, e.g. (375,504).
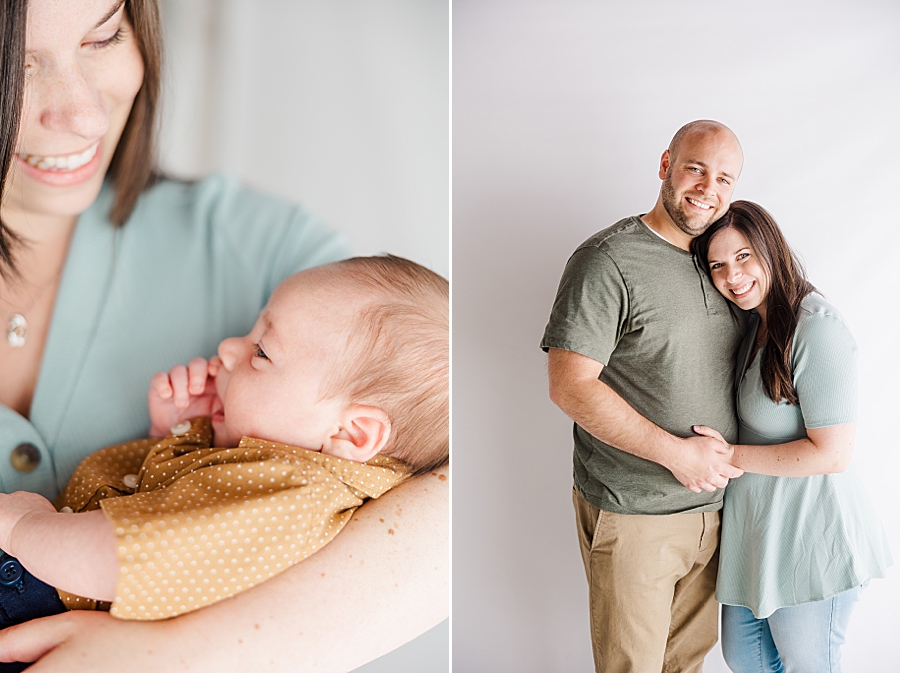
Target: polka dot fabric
(204,523)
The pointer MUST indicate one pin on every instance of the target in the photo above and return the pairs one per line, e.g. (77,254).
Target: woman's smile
(83,71)
(65,162)
(736,269)
(741,291)
(62,170)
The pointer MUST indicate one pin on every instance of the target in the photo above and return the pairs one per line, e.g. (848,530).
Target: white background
(341,105)
(561,110)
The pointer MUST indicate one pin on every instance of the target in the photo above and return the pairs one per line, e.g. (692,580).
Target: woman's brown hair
(787,288)
(133,166)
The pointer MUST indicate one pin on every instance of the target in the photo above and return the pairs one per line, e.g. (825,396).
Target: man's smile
(698,204)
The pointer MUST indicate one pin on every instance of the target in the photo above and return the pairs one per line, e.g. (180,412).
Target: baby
(257,457)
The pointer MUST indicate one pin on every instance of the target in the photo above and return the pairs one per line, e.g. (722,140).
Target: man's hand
(181,394)
(700,463)
(704,463)
(13,508)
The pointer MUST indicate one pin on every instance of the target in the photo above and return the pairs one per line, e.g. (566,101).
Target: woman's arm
(824,451)
(380,583)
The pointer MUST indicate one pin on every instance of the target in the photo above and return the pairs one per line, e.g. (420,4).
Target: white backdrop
(561,109)
(341,105)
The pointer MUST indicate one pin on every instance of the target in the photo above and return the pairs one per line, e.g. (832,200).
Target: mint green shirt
(787,541)
(194,264)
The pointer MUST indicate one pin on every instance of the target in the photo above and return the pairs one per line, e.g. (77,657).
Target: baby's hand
(182,393)
(15,506)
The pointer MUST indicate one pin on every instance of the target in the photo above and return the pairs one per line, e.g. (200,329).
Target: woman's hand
(85,640)
(701,457)
(702,463)
(183,393)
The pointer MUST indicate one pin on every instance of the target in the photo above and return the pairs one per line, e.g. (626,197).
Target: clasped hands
(704,463)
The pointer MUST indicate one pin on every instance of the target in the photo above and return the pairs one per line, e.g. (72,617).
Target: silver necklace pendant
(16,330)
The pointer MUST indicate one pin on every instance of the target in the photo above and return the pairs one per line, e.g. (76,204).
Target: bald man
(641,348)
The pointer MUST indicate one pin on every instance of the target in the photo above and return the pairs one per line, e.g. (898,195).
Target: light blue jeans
(801,639)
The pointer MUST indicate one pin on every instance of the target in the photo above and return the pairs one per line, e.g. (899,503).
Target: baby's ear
(363,433)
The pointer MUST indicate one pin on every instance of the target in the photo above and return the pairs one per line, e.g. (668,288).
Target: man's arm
(700,463)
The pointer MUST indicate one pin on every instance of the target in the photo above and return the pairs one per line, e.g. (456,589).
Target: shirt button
(10,572)
(66,510)
(25,457)
(130,480)
(180,428)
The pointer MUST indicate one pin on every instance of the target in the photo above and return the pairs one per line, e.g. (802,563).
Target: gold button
(25,457)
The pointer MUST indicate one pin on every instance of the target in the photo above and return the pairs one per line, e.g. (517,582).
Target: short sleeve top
(787,541)
(195,263)
(195,524)
(667,339)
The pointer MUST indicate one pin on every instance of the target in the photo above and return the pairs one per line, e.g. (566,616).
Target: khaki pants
(652,582)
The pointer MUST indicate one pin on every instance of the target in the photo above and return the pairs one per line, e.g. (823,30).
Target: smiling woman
(67,142)
(87,85)
(84,76)
(800,538)
(736,270)
(111,273)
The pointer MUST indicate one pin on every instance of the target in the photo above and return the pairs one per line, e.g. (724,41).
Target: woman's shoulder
(218,212)
(218,198)
(820,323)
(816,304)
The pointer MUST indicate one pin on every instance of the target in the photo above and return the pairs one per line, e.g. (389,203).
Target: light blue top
(194,264)
(793,540)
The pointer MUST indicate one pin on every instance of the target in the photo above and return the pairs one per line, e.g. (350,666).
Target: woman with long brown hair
(109,273)
(799,536)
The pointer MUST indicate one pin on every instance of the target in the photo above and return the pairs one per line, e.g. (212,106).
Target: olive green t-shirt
(646,310)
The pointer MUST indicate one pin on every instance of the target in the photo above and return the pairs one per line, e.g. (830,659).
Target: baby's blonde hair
(398,354)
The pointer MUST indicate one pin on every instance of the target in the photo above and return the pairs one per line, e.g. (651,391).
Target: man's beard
(679,217)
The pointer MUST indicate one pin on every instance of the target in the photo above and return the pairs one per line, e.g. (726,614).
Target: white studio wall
(342,106)
(561,111)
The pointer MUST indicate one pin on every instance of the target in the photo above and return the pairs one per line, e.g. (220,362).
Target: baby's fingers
(178,377)
(214,364)
(198,371)
(159,383)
